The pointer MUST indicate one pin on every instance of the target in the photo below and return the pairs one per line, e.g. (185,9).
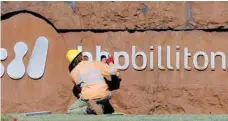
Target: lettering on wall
(36,65)
(16,68)
(37,62)
(3,57)
(207,58)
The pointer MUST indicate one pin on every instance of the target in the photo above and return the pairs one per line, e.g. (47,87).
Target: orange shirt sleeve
(75,76)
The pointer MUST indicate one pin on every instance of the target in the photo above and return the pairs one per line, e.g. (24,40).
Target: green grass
(64,117)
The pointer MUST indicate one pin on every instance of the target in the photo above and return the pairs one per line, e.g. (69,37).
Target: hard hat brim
(74,63)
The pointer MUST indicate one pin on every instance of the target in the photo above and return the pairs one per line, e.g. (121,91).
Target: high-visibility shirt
(90,75)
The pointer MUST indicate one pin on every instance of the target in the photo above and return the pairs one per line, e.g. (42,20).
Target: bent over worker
(89,75)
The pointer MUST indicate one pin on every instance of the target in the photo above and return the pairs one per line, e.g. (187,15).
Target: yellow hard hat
(71,54)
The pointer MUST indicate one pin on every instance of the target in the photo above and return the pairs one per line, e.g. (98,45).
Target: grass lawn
(64,117)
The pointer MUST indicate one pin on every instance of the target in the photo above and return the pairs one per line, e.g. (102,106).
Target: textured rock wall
(141,92)
(128,15)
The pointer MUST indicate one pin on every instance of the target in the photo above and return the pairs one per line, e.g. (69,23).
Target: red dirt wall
(128,15)
(141,92)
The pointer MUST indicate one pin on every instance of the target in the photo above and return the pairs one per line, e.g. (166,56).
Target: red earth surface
(141,92)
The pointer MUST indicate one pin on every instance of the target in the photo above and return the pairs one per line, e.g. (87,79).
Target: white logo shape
(16,68)
(3,57)
(37,60)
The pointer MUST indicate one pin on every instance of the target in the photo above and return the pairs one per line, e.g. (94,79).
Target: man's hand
(110,60)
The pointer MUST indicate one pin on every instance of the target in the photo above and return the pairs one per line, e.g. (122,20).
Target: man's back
(90,74)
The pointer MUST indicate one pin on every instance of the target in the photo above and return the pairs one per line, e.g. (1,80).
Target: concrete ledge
(64,117)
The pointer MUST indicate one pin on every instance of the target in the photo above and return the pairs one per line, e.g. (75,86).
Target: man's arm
(106,70)
(110,62)
(75,76)
(118,71)
(76,89)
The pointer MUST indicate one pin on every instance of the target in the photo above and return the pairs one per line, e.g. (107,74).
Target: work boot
(96,107)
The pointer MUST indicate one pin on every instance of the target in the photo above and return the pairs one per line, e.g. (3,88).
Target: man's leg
(102,105)
(97,108)
(78,107)
(107,107)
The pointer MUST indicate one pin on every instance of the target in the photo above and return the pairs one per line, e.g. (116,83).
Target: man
(89,76)
(85,58)
(103,59)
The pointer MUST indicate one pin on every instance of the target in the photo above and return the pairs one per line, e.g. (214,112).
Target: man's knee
(106,105)
(78,107)
(78,110)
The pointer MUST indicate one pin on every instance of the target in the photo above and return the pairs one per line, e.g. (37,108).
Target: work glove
(110,60)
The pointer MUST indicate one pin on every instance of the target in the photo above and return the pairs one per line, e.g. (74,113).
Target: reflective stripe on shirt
(96,71)
(85,76)
(94,79)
